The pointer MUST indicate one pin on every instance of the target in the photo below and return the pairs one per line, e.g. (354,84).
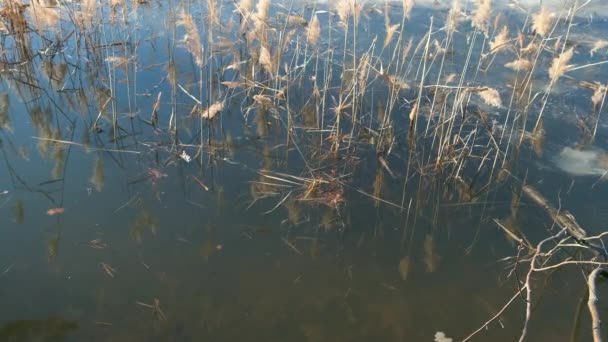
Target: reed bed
(441,103)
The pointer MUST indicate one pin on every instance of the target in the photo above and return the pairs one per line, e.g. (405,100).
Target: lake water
(317,204)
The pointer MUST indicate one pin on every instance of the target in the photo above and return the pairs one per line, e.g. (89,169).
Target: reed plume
(262,10)
(598,45)
(212,15)
(390,32)
(213,110)
(542,22)
(343,8)
(454,17)
(482,15)
(407,8)
(500,40)
(314,31)
(519,64)
(560,65)
(598,95)
(491,97)
(266,59)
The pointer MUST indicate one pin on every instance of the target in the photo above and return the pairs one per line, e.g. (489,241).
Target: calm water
(117,228)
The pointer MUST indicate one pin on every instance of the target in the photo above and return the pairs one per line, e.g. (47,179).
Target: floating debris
(55,211)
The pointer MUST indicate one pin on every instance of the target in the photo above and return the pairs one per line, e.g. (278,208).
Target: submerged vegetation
(364,137)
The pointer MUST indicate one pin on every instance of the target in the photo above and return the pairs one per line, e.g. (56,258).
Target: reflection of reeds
(143,222)
(98,175)
(192,38)
(5,119)
(431,258)
(59,156)
(19,212)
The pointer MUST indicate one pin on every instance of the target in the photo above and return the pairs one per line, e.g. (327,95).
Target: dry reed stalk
(519,64)
(314,31)
(560,65)
(542,22)
(192,38)
(413,115)
(482,15)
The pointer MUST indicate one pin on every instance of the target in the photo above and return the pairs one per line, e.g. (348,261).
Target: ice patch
(582,162)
